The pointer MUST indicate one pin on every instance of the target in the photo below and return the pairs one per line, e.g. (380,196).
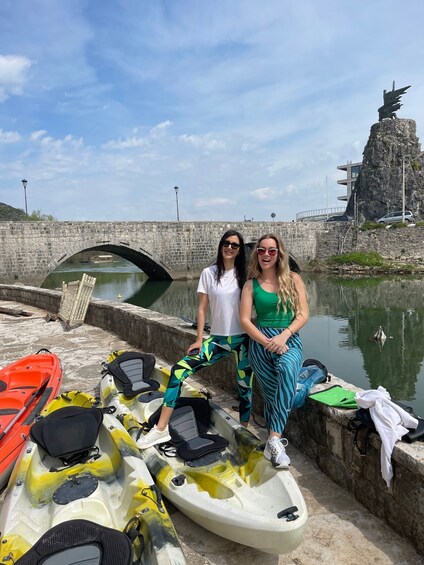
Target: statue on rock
(392,165)
(391,101)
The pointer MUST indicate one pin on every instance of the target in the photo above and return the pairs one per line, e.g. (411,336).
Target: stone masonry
(179,250)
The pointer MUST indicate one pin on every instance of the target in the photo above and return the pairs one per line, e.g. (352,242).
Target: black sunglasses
(231,244)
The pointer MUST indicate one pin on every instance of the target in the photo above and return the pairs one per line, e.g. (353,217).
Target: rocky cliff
(378,187)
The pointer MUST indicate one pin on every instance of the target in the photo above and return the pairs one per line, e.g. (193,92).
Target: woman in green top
(275,351)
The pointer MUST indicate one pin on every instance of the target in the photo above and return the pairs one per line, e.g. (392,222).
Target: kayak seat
(132,370)
(187,427)
(69,433)
(80,541)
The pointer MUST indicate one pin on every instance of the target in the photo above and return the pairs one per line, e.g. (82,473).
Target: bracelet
(289,330)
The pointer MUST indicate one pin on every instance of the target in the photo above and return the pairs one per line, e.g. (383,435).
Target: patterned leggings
(277,376)
(213,349)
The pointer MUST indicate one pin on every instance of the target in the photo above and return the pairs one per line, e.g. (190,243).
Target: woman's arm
(302,315)
(202,310)
(246,307)
(278,342)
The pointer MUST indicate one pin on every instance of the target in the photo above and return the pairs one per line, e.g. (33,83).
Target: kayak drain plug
(180,480)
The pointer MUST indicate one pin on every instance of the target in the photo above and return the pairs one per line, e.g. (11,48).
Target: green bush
(370,225)
(361,258)
(420,224)
(399,225)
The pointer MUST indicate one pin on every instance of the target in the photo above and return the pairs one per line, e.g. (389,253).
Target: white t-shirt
(224,301)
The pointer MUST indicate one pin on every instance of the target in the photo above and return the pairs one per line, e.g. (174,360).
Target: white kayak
(228,487)
(81,493)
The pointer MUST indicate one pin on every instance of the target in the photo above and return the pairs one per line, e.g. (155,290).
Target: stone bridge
(30,251)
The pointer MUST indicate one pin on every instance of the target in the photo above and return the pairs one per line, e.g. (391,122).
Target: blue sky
(247,105)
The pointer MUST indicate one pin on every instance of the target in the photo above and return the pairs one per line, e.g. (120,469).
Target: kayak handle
(289,514)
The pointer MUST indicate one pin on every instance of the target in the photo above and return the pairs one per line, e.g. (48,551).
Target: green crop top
(268,315)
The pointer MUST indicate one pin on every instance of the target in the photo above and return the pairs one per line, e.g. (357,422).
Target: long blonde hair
(287,291)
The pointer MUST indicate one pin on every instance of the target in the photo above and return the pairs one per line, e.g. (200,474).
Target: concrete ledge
(315,429)
(321,432)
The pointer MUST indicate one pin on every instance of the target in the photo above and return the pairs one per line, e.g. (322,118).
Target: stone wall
(316,429)
(32,250)
(178,250)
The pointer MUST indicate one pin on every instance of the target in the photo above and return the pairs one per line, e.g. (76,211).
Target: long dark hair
(240,262)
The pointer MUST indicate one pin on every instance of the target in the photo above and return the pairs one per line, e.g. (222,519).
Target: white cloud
(13,71)
(9,136)
(265,193)
(205,142)
(214,202)
(35,136)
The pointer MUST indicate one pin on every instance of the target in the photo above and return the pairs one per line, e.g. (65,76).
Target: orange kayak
(26,387)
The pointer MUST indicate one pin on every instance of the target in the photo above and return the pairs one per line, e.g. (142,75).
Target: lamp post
(403,189)
(176,199)
(25,182)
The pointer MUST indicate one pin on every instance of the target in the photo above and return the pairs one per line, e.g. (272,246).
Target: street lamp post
(25,182)
(176,199)
(403,189)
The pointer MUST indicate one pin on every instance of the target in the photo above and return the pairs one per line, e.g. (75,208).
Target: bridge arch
(147,261)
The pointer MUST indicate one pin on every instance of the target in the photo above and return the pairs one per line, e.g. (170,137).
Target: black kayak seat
(132,370)
(68,433)
(79,542)
(190,443)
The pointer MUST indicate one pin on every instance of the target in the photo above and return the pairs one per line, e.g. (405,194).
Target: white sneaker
(153,437)
(275,452)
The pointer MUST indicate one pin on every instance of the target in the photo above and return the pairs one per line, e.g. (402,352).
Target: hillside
(11,214)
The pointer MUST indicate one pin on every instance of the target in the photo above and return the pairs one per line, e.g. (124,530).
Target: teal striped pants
(276,376)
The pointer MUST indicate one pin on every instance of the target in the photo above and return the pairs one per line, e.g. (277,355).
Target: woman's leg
(262,364)
(276,375)
(190,364)
(244,375)
(210,353)
(287,368)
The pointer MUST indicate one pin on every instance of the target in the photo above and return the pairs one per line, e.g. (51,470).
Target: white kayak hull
(238,497)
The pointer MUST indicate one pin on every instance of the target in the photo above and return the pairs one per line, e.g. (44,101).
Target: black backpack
(362,424)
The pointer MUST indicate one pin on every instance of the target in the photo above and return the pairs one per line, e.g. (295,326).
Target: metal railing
(318,215)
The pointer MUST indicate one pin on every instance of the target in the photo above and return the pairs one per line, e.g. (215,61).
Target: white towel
(391,422)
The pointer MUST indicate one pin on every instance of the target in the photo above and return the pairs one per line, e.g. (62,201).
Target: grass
(360,258)
(369,225)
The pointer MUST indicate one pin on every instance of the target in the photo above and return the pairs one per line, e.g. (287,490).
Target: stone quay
(353,517)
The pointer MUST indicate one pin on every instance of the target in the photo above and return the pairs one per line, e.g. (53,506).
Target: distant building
(352,172)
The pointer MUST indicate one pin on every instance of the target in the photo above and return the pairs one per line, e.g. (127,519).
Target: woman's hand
(196,346)
(277,344)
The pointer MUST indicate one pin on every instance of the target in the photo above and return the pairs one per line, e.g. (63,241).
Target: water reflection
(394,303)
(345,314)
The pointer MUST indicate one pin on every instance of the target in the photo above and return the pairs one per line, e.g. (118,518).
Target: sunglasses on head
(272,251)
(231,244)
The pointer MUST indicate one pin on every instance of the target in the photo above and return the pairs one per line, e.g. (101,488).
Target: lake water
(344,315)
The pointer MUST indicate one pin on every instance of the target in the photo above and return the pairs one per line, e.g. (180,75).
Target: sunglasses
(231,244)
(272,251)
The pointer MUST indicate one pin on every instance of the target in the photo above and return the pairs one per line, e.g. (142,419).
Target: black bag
(362,424)
(417,434)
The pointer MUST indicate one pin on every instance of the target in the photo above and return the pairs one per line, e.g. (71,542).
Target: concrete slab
(340,531)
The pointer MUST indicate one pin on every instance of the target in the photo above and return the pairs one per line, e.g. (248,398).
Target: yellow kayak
(80,481)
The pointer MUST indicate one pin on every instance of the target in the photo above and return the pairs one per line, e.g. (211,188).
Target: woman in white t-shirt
(220,289)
